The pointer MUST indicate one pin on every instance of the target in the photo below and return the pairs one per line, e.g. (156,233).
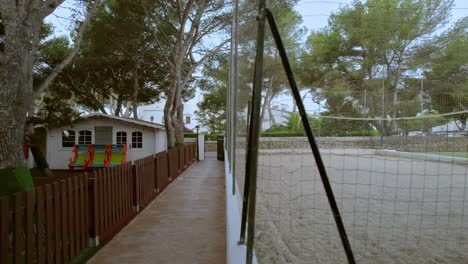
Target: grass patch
(85,255)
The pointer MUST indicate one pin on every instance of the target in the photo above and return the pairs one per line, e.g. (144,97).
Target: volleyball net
(396,154)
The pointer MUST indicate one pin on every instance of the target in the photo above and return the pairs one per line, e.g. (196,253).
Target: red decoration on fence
(25,151)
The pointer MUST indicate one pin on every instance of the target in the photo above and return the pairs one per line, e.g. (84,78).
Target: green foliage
(118,65)
(211,111)
(213,136)
(323,127)
(56,106)
(367,45)
(449,67)
(190,135)
(423,124)
(293,124)
(282,134)
(15,180)
(208,136)
(275,80)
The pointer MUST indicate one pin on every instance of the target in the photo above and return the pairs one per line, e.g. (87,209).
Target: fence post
(136,188)
(155,172)
(4,229)
(201,147)
(94,211)
(180,159)
(168,166)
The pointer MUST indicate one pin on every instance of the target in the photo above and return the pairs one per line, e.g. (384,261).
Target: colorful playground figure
(81,154)
(117,155)
(98,156)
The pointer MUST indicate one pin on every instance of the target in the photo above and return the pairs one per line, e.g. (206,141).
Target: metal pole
(254,132)
(319,120)
(382,125)
(310,136)
(365,111)
(234,99)
(422,106)
(245,200)
(198,144)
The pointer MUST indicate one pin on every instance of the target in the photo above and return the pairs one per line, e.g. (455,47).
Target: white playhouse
(142,138)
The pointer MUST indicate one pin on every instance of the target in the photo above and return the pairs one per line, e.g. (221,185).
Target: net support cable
(249,199)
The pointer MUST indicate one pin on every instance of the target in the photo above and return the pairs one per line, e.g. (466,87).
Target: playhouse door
(103,135)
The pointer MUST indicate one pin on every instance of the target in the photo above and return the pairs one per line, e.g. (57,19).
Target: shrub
(190,135)
(213,137)
(208,137)
(282,134)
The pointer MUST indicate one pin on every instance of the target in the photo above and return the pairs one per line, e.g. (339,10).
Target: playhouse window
(85,137)
(137,140)
(121,138)
(68,138)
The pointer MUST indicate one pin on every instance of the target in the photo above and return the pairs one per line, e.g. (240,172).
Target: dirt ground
(396,210)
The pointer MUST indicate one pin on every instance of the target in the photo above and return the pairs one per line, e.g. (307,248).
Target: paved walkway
(185,224)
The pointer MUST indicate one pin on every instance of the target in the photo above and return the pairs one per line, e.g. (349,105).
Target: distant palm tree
(294,123)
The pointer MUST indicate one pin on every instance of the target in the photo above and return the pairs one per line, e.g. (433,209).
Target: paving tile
(186,224)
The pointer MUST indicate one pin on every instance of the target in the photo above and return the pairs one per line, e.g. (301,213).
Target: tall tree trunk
(167,115)
(177,111)
(262,114)
(461,127)
(22,22)
(16,94)
(267,103)
(294,106)
(179,126)
(135,92)
(33,138)
(118,107)
(270,113)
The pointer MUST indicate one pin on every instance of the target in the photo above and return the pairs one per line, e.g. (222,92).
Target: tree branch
(45,84)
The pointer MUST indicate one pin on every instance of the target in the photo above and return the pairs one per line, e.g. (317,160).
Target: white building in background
(155,113)
(450,129)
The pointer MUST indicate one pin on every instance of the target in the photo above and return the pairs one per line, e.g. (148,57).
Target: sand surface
(396,210)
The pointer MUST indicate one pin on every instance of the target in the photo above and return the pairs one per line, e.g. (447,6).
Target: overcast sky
(315,13)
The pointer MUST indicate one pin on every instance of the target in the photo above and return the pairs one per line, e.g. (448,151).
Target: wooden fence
(53,228)
(162,170)
(75,212)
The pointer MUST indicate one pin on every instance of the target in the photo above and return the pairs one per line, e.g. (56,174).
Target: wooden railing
(65,215)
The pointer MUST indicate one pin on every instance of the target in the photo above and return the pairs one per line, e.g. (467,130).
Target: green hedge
(358,133)
(363,133)
(282,134)
(213,137)
(190,135)
(208,137)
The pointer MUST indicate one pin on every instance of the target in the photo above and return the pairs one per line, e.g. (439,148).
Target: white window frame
(117,136)
(61,138)
(141,133)
(85,129)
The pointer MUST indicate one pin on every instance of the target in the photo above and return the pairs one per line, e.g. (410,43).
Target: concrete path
(186,224)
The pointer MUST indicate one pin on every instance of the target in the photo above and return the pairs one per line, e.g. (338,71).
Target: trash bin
(220,148)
